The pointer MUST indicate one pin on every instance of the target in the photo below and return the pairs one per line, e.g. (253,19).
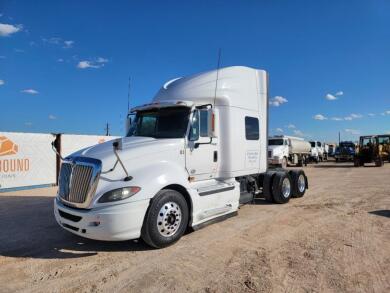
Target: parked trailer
(284,150)
(189,158)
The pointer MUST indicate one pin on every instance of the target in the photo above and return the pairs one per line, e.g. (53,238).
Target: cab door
(201,149)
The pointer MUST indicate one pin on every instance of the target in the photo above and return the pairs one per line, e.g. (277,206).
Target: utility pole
(339,137)
(107,129)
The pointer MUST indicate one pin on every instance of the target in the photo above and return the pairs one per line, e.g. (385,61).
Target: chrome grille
(78,181)
(66,171)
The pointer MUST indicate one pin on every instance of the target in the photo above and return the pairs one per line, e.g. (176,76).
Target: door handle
(215,156)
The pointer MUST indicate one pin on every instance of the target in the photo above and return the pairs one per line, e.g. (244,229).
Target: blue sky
(64,65)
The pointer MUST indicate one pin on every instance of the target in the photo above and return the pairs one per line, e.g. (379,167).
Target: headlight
(119,194)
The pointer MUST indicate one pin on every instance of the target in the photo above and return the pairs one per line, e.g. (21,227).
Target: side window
(384,140)
(366,141)
(251,128)
(194,131)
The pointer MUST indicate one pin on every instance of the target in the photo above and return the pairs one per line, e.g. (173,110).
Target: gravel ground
(334,239)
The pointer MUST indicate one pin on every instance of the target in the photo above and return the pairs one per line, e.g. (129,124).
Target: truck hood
(132,148)
(276,149)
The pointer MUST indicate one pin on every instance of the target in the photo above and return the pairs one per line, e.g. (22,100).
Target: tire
(280,192)
(284,163)
(299,183)
(379,162)
(337,160)
(267,186)
(166,219)
(356,162)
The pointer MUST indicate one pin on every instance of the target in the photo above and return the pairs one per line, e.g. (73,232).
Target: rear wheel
(300,162)
(267,186)
(281,187)
(379,162)
(299,183)
(356,162)
(166,219)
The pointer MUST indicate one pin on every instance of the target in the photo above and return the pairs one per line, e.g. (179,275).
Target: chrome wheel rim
(286,187)
(169,219)
(301,183)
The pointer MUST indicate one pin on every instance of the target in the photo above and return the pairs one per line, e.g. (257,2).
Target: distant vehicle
(317,151)
(345,151)
(326,151)
(373,148)
(332,149)
(284,150)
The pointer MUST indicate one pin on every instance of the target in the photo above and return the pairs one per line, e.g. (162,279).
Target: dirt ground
(334,239)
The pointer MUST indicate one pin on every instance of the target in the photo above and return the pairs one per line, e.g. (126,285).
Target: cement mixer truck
(189,158)
(285,150)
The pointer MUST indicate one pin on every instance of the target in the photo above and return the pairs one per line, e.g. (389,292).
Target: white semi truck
(189,158)
(317,151)
(284,150)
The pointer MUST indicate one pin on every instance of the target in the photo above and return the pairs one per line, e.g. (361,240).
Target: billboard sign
(26,159)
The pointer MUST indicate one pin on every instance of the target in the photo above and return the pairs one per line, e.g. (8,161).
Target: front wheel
(284,163)
(357,162)
(166,219)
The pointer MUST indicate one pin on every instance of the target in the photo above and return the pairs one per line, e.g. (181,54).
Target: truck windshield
(313,144)
(275,142)
(169,122)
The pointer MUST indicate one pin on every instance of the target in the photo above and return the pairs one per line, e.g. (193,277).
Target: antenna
(107,129)
(128,95)
(216,80)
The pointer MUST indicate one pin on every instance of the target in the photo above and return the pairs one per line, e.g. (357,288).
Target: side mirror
(203,127)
